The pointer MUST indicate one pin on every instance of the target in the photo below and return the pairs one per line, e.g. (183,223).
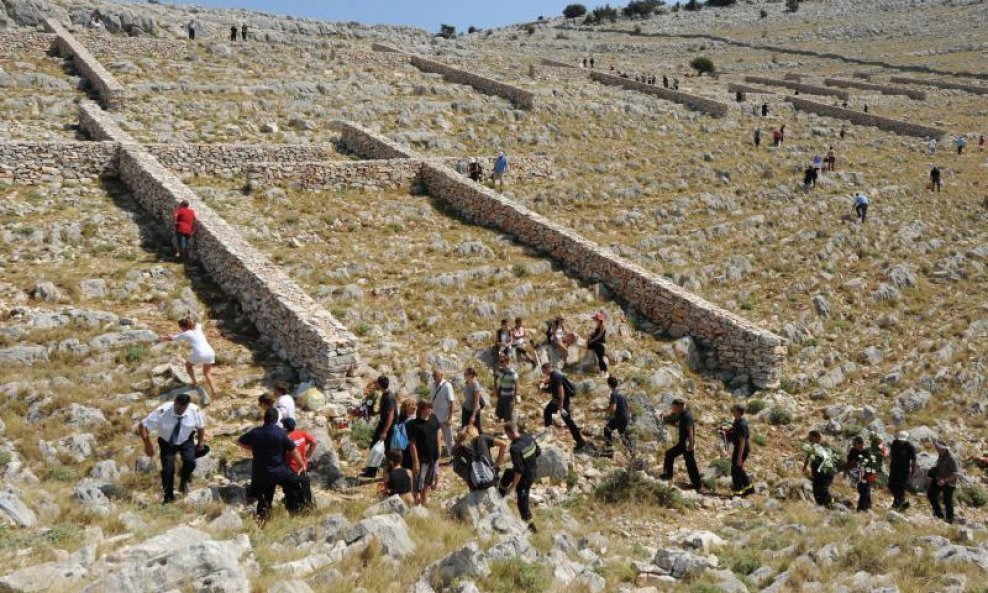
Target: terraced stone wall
(557,64)
(752,90)
(109,90)
(233,159)
(798,86)
(368,144)
(867,119)
(739,345)
(942,84)
(301,331)
(520,97)
(701,104)
(34,43)
(882,88)
(45,162)
(115,47)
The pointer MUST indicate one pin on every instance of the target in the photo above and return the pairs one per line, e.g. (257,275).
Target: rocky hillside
(886,321)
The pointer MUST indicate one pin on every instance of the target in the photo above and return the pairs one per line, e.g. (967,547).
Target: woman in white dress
(202,352)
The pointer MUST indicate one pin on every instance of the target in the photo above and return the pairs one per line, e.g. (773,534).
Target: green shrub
(973,496)
(447,31)
(759,439)
(703,65)
(516,574)
(756,405)
(133,354)
(361,433)
(573,11)
(362,329)
(746,563)
(779,416)
(519,270)
(722,465)
(624,485)
(5,457)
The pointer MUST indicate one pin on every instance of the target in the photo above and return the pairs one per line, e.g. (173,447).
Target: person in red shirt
(305,444)
(185,220)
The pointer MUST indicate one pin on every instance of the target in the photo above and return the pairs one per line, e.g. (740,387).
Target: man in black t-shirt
(520,476)
(902,464)
(620,415)
(685,445)
(269,445)
(740,438)
(423,442)
(561,390)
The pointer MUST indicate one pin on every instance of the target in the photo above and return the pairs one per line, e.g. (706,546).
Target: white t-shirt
(285,405)
(442,401)
(202,352)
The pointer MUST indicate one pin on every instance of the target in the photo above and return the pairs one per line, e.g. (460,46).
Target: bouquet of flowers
(824,457)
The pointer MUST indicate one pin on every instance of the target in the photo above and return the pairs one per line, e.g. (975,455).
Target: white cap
(902,436)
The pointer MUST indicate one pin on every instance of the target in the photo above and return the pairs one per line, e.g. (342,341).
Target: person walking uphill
(861,206)
(739,435)
(387,410)
(685,445)
(500,169)
(269,444)
(821,461)
(860,473)
(943,480)
(524,452)
(233,33)
(506,386)
(443,408)
(185,221)
(561,390)
(936,179)
(620,418)
(597,340)
(181,429)
(202,352)
(902,465)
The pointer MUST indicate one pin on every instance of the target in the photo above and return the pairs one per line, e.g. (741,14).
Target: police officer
(740,438)
(685,445)
(521,475)
(269,444)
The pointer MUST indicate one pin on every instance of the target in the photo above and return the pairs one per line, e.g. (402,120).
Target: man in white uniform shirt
(181,429)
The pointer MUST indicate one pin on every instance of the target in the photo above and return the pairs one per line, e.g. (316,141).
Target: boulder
(912,400)
(50,575)
(15,512)
(702,540)
(390,532)
(680,563)
(727,582)
(552,464)
(466,563)
(488,513)
(392,504)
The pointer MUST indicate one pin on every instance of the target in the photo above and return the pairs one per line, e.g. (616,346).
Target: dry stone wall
(233,159)
(752,90)
(739,345)
(45,162)
(942,84)
(883,89)
(557,64)
(520,97)
(701,104)
(35,43)
(798,86)
(301,331)
(112,47)
(110,92)
(368,144)
(867,119)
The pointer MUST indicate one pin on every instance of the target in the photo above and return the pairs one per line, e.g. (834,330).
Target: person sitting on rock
(519,343)
(202,352)
(561,338)
(398,479)
(524,452)
(472,446)
(502,339)
(475,171)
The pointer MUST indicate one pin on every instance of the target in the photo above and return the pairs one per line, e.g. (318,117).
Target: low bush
(779,416)
(624,485)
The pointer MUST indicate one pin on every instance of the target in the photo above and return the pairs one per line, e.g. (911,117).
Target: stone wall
(300,330)
(44,162)
(867,119)
(110,92)
(34,43)
(701,104)
(384,47)
(883,89)
(383,174)
(520,97)
(798,86)
(739,345)
(225,160)
(368,144)
(793,76)
(557,64)
(942,84)
(114,47)
(733,87)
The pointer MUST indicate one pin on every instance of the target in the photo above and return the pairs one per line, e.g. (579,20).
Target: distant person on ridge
(960,143)
(475,171)
(831,160)
(758,137)
(500,169)
(936,179)
(233,33)
(243,32)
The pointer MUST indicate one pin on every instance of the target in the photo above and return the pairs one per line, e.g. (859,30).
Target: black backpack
(481,474)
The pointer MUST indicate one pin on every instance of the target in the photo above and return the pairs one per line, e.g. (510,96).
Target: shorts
(498,175)
(427,475)
(184,241)
(202,358)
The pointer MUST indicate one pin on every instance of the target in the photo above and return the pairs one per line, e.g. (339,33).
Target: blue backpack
(399,438)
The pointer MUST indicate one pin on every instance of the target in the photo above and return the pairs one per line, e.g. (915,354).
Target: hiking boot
(665,477)
(531,527)
(183,488)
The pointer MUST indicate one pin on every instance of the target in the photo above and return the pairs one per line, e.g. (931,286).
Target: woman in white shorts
(202,352)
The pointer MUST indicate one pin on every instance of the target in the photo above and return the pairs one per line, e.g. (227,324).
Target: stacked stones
(111,92)
(301,331)
(701,104)
(801,87)
(942,84)
(520,97)
(867,119)
(882,88)
(221,159)
(43,162)
(26,42)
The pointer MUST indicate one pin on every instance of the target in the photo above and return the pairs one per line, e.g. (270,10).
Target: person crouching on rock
(472,459)
(398,479)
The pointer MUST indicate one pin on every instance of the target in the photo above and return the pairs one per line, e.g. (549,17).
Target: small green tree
(530,29)
(447,31)
(574,11)
(792,5)
(472,30)
(703,65)
(692,5)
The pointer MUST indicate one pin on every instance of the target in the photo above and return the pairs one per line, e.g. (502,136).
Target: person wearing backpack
(821,461)
(561,389)
(472,458)
(524,452)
